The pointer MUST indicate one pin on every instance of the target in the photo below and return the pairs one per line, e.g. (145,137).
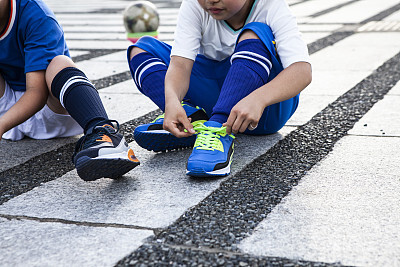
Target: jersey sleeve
(44,39)
(289,44)
(188,30)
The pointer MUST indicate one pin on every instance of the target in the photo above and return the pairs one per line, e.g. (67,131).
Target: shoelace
(208,137)
(159,117)
(99,131)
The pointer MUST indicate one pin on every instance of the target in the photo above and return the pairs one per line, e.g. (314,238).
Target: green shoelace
(208,137)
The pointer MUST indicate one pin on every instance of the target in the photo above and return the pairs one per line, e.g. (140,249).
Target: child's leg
(102,151)
(254,63)
(274,116)
(252,55)
(70,89)
(251,66)
(148,61)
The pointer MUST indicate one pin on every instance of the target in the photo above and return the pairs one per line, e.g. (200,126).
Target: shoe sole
(200,172)
(161,142)
(90,169)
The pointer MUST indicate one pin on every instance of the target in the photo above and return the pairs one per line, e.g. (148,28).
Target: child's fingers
(238,125)
(188,126)
(244,126)
(228,124)
(177,129)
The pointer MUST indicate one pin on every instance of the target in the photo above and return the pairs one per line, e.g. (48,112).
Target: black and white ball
(141,16)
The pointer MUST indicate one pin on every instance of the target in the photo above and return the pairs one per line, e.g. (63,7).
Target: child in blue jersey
(44,95)
(236,66)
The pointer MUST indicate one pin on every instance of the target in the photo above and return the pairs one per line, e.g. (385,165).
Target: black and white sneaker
(103,152)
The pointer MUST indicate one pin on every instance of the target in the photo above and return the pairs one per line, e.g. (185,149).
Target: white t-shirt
(199,33)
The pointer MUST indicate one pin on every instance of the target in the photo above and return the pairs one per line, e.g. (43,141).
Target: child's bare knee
(134,51)
(60,62)
(57,64)
(248,34)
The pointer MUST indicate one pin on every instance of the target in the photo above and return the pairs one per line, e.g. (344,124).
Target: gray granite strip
(154,254)
(93,53)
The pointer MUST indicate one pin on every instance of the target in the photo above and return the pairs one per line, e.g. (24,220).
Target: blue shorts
(208,77)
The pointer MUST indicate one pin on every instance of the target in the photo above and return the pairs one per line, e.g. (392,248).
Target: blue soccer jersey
(31,39)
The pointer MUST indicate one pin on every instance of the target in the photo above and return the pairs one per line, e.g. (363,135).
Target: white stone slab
(104,44)
(333,82)
(166,28)
(345,210)
(79,6)
(94,36)
(308,8)
(93,28)
(359,52)
(32,243)
(308,107)
(67,18)
(356,12)
(153,195)
(96,69)
(125,107)
(119,57)
(338,68)
(383,119)
(88,21)
(126,87)
(166,36)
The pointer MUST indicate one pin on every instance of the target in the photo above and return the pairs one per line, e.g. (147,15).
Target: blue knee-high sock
(148,72)
(79,97)
(251,65)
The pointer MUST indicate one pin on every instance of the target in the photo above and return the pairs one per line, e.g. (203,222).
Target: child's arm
(30,102)
(287,84)
(176,86)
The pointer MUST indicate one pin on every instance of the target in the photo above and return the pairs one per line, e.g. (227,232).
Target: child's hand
(244,115)
(176,121)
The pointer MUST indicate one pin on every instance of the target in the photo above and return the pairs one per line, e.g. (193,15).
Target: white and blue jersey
(31,39)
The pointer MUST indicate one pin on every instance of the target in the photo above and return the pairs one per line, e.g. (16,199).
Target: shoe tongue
(213,124)
(107,127)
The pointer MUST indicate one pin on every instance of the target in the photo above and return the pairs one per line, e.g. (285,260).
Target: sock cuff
(253,45)
(143,64)
(254,54)
(67,79)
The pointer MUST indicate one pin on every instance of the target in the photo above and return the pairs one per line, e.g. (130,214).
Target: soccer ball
(141,18)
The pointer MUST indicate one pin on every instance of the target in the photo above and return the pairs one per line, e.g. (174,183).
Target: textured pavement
(323,191)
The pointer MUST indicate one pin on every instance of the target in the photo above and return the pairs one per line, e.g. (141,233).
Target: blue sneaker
(153,137)
(103,152)
(212,152)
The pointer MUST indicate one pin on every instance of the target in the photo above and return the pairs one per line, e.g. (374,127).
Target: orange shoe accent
(131,156)
(104,138)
